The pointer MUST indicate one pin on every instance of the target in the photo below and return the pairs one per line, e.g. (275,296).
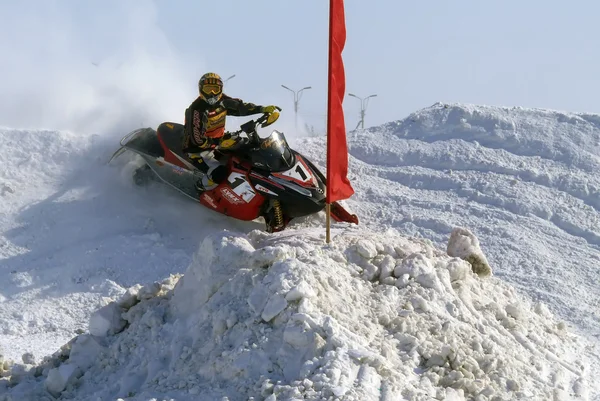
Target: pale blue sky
(150,54)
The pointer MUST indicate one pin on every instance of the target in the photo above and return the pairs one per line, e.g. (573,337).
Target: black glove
(218,174)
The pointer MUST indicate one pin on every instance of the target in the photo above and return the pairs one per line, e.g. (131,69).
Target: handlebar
(250,127)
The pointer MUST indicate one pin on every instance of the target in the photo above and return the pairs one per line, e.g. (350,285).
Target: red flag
(338,185)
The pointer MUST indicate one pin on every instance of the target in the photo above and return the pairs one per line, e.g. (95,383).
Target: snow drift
(371,316)
(74,230)
(524,180)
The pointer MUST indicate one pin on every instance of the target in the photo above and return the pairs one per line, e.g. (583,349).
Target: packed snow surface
(372,316)
(472,275)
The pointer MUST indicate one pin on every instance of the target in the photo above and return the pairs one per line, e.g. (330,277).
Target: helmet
(210,87)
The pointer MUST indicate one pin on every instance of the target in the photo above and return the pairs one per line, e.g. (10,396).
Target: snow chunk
(6,188)
(59,378)
(28,358)
(216,261)
(84,351)
(367,249)
(302,290)
(465,245)
(130,297)
(274,306)
(387,265)
(515,311)
(107,320)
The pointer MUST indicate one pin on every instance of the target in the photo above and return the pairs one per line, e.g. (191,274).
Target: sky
(113,65)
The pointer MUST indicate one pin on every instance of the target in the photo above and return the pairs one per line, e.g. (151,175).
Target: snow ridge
(568,137)
(524,180)
(372,316)
(380,315)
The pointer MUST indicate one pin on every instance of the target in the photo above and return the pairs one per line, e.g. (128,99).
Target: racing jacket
(205,124)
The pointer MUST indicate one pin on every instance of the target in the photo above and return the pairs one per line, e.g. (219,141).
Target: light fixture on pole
(363,108)
(297,95)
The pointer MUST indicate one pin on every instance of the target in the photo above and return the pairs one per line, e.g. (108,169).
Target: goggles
(211,89)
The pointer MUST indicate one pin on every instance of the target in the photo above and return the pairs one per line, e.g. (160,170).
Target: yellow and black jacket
(205,124)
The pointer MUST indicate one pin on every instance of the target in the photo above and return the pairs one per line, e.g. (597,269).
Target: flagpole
(327,222)
(329,89)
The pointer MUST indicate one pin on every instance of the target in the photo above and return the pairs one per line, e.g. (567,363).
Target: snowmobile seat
(172,136)
(144,141)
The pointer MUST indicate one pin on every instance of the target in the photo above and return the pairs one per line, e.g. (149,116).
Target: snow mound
(74,229)
(572,138)
(525,180)
(370,316)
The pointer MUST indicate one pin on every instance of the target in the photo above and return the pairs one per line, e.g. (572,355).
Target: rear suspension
(274,218)
(277,214)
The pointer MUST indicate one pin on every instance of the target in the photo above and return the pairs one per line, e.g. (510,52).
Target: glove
(269,109)
(230,139)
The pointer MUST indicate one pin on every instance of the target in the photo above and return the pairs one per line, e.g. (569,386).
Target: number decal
(237,181)
(300,171)
(241,187)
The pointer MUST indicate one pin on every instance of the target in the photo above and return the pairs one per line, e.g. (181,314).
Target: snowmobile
(266,177)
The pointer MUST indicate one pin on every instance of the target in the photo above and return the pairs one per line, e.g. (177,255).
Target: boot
(205,184)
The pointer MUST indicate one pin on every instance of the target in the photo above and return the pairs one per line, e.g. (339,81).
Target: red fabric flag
(338,185)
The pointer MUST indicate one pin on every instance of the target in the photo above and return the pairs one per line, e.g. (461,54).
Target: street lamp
(363,108)
(297,96)
(229,78)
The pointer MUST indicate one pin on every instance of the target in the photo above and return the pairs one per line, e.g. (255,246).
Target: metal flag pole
(327,222)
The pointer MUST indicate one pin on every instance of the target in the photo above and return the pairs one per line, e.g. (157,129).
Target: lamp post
(297,95)
(363,108)
(225,81)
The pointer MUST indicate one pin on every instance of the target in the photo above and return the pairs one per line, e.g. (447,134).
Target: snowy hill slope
(524,181)
(285,317)
(75,231)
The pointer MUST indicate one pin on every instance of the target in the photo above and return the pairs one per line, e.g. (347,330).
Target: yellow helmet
(210,87)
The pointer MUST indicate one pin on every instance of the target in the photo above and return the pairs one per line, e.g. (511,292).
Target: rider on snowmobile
(205,127)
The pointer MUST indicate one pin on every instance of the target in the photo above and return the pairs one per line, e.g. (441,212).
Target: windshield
(273,153)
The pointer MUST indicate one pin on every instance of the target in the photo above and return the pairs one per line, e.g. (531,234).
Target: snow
(473,273)
(463,244)
(225,329)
